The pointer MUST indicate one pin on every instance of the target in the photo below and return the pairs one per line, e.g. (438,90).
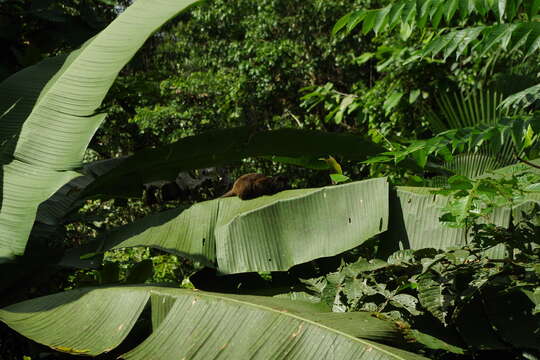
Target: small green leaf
(339,178)
(365,57)
(413,95)
(458,182)
(392,101)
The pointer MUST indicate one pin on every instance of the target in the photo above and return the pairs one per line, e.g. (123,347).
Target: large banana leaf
(224,146)
(121,177)
(191,324)
(267,233)
(414,221)
(45,135)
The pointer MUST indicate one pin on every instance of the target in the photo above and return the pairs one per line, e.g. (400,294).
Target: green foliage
(446,286)
(472,200)
(410,14)
(260,64)
(413,13)
(483,39)
(521,130)
(231,64)
(524,98)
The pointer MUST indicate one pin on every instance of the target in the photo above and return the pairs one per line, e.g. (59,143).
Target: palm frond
(477,107)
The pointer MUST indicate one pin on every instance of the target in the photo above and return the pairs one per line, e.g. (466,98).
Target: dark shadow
(395,238)
(209,279)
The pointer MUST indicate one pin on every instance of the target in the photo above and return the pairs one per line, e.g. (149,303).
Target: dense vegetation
(117,141)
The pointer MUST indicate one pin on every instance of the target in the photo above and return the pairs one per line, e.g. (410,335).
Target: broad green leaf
(352,270)
(413,95)
(55,117)
(221,147)
(392,101)
(309,162)
(517,169)
(190,324)
(54,209)
(405,256)
(414,222)
(339,178)
(267,233)
(431,296)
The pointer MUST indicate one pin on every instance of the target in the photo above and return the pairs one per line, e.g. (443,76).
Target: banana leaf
(224,146)
(188,324)
(45,134)
(414,221)
(269,233)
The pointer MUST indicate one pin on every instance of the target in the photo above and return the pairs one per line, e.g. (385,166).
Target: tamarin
(250,186)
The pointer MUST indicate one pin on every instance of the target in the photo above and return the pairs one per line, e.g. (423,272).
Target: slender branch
(527,162)
(295,118)
(344,94)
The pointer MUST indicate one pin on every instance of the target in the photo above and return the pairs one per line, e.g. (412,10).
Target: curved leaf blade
(267,233)
(44,137)
(224,146)
(199,325)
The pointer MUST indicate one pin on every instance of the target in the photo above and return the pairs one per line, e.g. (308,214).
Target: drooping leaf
(432,342)
(45,135)
(199,325)
(425,13)
(221,147)
(518,36)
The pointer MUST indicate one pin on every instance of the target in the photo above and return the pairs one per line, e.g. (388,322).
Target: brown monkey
(250,186)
